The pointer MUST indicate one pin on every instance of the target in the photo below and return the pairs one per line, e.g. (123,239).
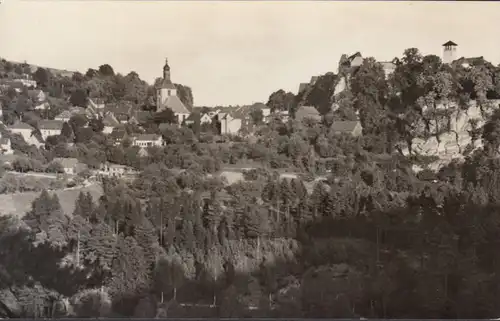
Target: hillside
(19,203)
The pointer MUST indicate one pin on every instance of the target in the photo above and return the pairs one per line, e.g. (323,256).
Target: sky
(237,52)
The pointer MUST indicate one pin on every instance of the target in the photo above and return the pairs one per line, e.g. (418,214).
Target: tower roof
(167,82)
(449,43)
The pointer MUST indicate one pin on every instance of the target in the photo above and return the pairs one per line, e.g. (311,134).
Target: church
(166,97)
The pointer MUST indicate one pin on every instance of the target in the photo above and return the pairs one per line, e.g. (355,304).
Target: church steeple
(166,71)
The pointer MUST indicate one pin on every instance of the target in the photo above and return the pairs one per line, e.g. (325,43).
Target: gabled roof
(21,125)
(449,43)
(176,105)
(50,124)
(64,114)
(357,54)
(303,86)
(67,162)
(121,108)
(142,115)
(344,126)
(118,133)
(307,112)
(110,120)
(147,137)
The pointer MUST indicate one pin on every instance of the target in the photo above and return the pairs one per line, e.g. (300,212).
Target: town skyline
(271,46)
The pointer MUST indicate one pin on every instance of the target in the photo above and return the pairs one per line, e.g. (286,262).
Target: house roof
(64,114)
(118,133)
(176,105)
(21,125)
(449,43)
(344,126)
(357,54)
(307,112)
(470,60)
(388,64)
(110,120)
(142,116)
(303,86)
(121,108)
(50,124)
(67,162)
(147,137)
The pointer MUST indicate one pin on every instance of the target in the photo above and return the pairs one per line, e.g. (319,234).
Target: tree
(42,77)
(67,131)
(257,116)
(79,98)
(106,70)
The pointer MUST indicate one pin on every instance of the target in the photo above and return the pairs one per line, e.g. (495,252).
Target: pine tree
(129,274)
(145,235)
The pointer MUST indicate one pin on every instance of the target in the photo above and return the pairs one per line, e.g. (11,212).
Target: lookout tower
(449,52)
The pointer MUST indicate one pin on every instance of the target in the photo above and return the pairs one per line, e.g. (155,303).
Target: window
(169,92)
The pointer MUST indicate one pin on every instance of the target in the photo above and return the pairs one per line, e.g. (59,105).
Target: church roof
(176,105)
(450,43)
(167,84)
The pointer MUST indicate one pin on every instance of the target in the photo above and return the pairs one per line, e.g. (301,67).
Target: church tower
(449,52)
(166,97)
(166,88)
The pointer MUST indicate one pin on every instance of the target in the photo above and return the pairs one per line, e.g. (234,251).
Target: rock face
(453,142)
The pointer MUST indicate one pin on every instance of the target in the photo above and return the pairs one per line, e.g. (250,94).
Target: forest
(357,232)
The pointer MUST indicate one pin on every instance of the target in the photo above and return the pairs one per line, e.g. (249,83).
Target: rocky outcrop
(452,142)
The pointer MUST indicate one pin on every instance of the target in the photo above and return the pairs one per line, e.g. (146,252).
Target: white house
(5,147)
(229,125)
(70,165)
(110,123)
(115,170)
(23,129)
(63,116)
(148,140)
(166,97)
(206,119)
(50,128)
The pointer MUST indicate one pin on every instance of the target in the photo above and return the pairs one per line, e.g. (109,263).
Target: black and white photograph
(269,160)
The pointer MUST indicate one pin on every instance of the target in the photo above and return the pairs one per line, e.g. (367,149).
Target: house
(192,119)
(309,112)
(302,86)
(42,105)
(96,103)
(110,123)
(64,116)
(50,128)
(206,118)
(5,147)
(37,95)
(139,117)
(353,128)
(389,66)
(115,170)
(469,62)
(23,129)
(355,60)
(166,97)
(70,165)
(228,124)
(118,135)
(122,111)
(148,140)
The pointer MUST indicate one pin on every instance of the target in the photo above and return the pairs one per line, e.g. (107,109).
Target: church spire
(166,71)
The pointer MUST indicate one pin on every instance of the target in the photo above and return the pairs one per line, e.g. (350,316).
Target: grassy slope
(18,204)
